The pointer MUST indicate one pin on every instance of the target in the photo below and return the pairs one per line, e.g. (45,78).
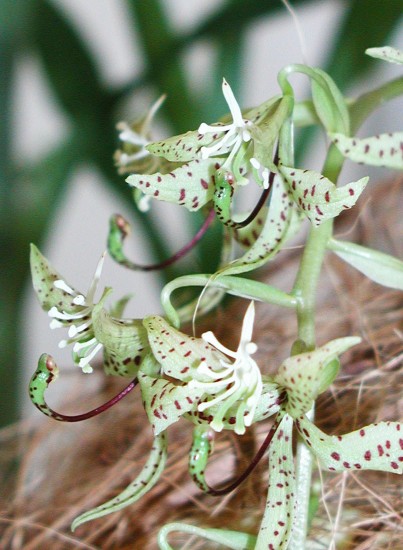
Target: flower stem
(305,289)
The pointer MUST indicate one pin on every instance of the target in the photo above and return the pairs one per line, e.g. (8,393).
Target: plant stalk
(305,289)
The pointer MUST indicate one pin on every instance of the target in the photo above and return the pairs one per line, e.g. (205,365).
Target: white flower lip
(79,322)
(239,381)
(235,133)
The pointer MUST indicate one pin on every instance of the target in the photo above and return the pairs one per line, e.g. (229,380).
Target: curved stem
(46,373)
(305,289)
(119,229)
(237,286)
(249,469)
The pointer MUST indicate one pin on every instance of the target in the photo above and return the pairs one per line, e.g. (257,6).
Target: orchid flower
(242,145)
(90,326)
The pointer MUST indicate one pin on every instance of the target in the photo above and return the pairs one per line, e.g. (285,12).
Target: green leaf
(191,185)
(125,342)
(277,521)
(329,103)
(382,150)
(68,63)
(306,375)
(147,478)
(374,447)
(381,268)
(317,197)
(386,53)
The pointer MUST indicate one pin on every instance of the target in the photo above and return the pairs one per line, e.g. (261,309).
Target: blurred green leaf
(366,23)
(165,66)
(68,63)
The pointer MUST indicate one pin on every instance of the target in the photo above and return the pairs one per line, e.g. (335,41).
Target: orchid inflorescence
(199,378)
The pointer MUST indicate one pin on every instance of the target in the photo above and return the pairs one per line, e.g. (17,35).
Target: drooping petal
(202,447)
(282,222)
(147,478)
(317,197)
(306,375)
(374,447)
(182,148)
(382,150)
(277,521)
(191,185)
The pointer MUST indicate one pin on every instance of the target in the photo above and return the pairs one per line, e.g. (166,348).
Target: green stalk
(305,291)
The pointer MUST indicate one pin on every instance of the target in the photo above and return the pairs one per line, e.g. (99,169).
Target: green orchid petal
(125,341)
(381,268)
(180,355)
(43,277)
(329,103)
(230,539)
(145,481)
(190,185)
(282,222)
(386,53)
(277,521)
(317,197)
(182,148)
(382,150)
(68,308)
(374,447)
(164,402)
(306,375)
(266,133)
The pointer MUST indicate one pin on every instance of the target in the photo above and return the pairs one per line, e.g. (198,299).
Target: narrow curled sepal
(280,505)
(202,446)
(46,372)
(147,478)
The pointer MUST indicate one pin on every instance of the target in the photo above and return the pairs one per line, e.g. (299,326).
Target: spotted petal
(165,402)
(180,355)
(277,521)
(375,447)
(147,478)
(191,185)
(386,53)
(317,197)
(382,150)
(125,342)
(50,295)
(306,375)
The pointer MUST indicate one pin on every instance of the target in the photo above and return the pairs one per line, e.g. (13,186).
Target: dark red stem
(252,465)
(97,410)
